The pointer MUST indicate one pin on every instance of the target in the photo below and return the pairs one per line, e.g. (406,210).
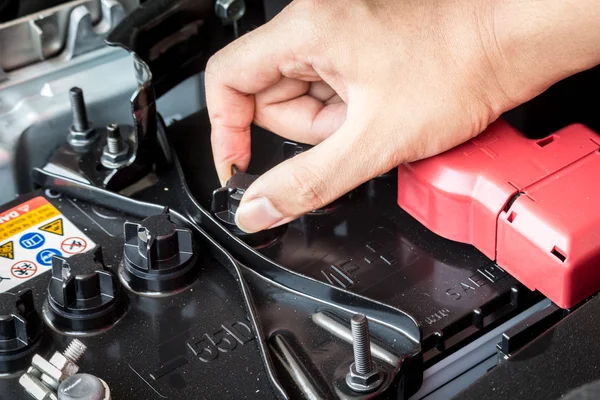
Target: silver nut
(115,160)
(363,382)
(230,10)
(82,139)
(65,365)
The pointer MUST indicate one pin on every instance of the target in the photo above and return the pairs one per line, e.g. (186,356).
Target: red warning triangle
(55,227)
(6,250)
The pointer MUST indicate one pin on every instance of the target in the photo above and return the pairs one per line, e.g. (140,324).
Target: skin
(377,83)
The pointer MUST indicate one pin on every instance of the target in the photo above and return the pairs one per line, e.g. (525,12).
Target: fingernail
(257,215)
(223,177)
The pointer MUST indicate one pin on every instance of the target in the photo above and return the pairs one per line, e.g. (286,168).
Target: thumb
(313,179)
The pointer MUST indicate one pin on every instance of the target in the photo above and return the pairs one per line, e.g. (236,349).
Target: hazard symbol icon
(7,250)
(55,227)
(23,269)
(73,245)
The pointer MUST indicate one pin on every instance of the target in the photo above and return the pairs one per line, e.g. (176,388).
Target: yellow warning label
(26,221)
(6,250)
(55,227)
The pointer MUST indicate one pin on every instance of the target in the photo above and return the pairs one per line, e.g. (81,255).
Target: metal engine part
(65,31)
(44,377)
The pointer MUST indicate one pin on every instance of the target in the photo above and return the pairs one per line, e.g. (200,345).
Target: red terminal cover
(531,205)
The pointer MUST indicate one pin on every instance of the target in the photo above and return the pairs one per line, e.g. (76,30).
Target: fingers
(313,179)
(304,119)
(233,76)
(296,110)
(230,146)
(322,91)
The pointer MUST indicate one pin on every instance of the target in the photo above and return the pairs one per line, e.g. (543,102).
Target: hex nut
(82,139)
(363,382)
(115,160)
(66,366)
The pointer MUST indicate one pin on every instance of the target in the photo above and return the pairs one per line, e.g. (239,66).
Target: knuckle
(212,66)
(217,62)
(312,20)
(307,187)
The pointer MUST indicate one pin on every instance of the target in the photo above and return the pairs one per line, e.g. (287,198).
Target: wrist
(538,43)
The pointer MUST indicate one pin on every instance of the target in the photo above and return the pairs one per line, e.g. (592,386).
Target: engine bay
(123,274)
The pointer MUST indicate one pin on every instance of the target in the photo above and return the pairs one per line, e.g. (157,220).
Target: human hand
(374,83)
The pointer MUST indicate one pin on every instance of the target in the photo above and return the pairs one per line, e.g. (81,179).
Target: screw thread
(113,139)
(80,121)
(361,344)
(75,350)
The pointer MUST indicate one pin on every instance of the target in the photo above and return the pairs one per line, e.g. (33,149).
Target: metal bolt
(81,134)
(113,139)
(80,121)
(75,350)
(362,344)
(363,375)
(116,152)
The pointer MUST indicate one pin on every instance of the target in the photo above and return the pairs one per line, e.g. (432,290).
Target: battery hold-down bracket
(531,205)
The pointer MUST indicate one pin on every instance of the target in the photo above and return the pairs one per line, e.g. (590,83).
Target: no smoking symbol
(73,245)
(23,269)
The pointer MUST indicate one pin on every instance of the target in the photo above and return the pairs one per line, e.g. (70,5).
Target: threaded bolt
(75,350)
(114,141)
(80,121)
(361,344)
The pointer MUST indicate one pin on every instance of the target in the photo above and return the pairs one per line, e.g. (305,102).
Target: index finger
(233,75)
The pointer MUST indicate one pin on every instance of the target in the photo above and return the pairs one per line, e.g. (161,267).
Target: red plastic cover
(531,205)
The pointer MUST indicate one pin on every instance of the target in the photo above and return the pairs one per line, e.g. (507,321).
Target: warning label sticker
(31,234)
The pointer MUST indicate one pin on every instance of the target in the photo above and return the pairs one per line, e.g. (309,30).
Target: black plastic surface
(524,332)
(559,361)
